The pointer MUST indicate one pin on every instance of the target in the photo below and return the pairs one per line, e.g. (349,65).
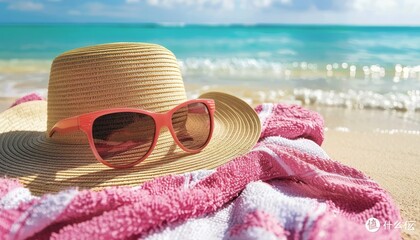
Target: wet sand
(368,140)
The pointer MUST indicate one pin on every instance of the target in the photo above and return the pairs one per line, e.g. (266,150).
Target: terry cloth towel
(286,187)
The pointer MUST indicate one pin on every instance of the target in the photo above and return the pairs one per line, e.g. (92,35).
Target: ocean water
(345,66)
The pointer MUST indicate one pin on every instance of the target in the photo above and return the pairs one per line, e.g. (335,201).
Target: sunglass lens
(123,138)
(192,125)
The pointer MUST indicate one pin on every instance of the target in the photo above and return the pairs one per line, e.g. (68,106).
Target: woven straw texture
(135,75)
(113,75)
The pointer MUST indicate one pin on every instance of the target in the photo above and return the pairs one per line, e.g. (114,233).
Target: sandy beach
(384,146)
(389,157)
(5,103)
(391,160)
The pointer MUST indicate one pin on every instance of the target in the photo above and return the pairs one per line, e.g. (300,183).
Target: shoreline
(316,92)
(335,118)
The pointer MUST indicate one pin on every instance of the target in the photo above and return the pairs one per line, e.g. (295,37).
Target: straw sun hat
(134,75)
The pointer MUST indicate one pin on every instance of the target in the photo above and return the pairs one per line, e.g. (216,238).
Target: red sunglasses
(123,137)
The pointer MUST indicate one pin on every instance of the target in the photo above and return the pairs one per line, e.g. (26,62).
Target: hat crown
(135,75)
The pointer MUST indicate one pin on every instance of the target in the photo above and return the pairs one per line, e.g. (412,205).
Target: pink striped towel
(285,188)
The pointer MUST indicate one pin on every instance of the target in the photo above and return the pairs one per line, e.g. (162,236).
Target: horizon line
(184,24)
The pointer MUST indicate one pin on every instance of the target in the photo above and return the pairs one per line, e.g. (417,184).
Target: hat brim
(44,166)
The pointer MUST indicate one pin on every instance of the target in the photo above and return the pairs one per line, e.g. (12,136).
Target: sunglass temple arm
(65,126)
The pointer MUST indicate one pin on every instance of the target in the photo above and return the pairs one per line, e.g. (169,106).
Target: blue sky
(359,12)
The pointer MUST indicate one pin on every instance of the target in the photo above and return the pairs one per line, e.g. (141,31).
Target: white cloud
(267,3)
(382,5)
(375,12)
(99,9)
(219,4)
(26,6)
(194,3)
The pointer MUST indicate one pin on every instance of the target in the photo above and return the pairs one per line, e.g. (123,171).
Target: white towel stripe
(276,157)
(15,197)
(41,214)
(267,109)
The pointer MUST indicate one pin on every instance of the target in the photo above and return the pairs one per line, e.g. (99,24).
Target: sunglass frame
(84,123)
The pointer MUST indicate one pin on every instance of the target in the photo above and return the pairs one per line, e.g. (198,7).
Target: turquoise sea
(348,66)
